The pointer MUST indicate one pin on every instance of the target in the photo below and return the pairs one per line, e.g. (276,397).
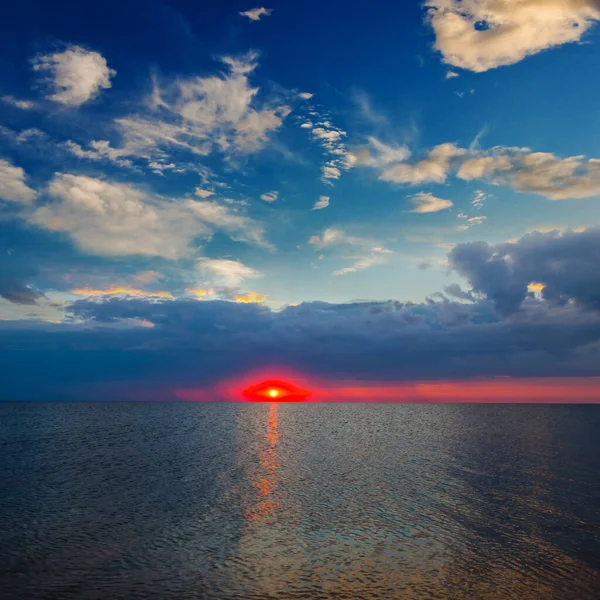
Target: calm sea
(263,501)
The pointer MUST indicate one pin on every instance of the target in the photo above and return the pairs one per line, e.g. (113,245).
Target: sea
(259,501)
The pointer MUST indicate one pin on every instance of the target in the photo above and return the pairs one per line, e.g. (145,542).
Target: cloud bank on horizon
(196,205)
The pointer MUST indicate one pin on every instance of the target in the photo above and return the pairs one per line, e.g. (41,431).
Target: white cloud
(322,202)
(484,34)
(203,193)
(332,236)
(227,273)
(22,104)
(379,155)
(116,219)
(470,222)
(305,95)
(362,263)
(76,75)
(255,14)
(101,150)
(428,203)
(269,196)
(479,198)
(12,184)
(451,75)
(330,172)
(537,172)
(205,114)
(435,168)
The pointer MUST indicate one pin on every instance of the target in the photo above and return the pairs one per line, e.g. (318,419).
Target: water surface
(311,501)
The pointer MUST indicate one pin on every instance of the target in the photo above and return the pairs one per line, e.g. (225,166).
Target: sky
(383,193)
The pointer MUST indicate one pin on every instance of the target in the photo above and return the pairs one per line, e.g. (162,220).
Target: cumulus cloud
(12,184)
(305,95)
(428,203)
(522,169)
(115,219)
(435,168)
(563,264)
(75,75)
(254,14)
(270,196)
(322,202)
(537,172)
(479,35)
(227,273)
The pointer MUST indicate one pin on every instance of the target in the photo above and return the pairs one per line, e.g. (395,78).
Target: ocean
(108,501)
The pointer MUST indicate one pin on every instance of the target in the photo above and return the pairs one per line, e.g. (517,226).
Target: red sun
(275,391)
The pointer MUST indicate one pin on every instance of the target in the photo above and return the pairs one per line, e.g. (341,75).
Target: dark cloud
(196,343)
(565,263)
(13,281)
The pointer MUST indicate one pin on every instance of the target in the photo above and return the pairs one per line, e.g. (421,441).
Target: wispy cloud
(270,196)
(428,203)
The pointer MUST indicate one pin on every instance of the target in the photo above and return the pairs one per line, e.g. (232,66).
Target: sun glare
(273,393)
(281,391)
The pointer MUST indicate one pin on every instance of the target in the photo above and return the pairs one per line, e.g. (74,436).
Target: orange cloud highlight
(250,297)
(199,293)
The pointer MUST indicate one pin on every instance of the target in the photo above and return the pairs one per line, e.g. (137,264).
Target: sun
(275,390)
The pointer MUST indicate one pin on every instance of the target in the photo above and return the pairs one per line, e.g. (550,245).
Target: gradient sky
(381,191)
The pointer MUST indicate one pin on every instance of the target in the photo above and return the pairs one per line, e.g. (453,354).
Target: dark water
(258,501)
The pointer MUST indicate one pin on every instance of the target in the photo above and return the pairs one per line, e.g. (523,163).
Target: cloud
(255,14)
(22,104)
(116,219)
(14,281)
(250,298)
(202,193)
(537,172)
(305,95)
(451,75)
(332,141)
(522,169)
(372,341)
(435,168)
(564,263)
(479,35)
(228,273)
(470,221)
(101,150)
(479,198)
(372,252)
(121,291)
(269,196)
(362,263)
(75,75)
(322,202)
(428,203)
(12,184)
(202,115)
(379,155)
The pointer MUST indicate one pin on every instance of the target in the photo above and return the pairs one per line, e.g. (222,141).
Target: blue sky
(180,152)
